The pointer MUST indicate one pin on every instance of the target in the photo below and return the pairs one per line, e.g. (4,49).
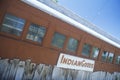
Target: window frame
(27,31)
(56,47)
(91,56)
(12,35)
(112,57)
(116,59)
(68,43)
(89,50)
(107,57)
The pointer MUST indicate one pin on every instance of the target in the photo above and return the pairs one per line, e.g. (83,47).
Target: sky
(105,14)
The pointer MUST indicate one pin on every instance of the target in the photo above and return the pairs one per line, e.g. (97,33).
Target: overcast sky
(105,14)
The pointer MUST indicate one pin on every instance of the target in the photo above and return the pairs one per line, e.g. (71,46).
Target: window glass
(95,52)
(58,40)
(110,57)
(118,60)
(72,44)
(104,55)
(12,24)
(36,33)
(86,50)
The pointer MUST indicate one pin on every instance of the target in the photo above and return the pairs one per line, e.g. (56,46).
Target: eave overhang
(41,6)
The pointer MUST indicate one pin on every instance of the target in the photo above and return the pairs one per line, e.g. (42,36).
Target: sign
(77,63)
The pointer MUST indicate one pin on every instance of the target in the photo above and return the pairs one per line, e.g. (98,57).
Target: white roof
(71,18)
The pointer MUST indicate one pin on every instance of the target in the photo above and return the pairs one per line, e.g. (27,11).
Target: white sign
(72,62)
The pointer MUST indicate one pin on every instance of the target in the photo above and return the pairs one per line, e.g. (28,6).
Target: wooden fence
(26,70)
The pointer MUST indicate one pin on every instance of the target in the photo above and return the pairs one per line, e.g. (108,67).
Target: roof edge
(55,13)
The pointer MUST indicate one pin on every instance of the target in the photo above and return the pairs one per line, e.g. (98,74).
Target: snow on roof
(70,17)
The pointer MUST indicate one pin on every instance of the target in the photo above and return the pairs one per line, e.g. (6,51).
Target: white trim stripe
(69,20)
